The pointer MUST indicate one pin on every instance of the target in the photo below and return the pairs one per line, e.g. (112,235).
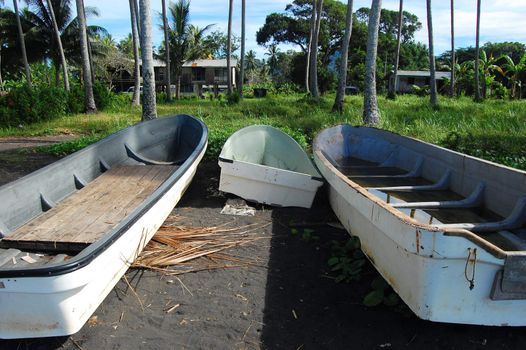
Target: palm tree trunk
(392,87)
(1,79)
(342,79)
(432,69)
(91,61)
(229,46)
(242,63)
(167,54)
(89,99)
(149,105)
(452,86)
(59,43)
(477,56)
(309,46)
(314,53)
(137,19)
(22,44)
(136,98)
(371,115)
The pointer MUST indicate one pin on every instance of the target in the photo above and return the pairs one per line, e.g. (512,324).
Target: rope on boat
(472,279)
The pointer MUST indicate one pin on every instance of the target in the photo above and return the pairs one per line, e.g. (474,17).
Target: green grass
(494,130)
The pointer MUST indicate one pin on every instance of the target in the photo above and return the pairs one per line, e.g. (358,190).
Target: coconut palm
(452,86)
(186,41)
(392,87)
(242,63)
(313,67)
(229,46)
(136,98)
(167,53)
(371,115)
(251,65)
(342,79)
(22,44)
(478,97)
(273,58)
(59,45)
(432,67)
(89,99)
(43,41)
(149,107)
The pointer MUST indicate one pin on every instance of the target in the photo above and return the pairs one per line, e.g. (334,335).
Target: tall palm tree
(478,97)
(149,106)
(22,44)
(251,65)
(136,98)
(452,86)
(342,79)
(186,41)
(89,99)
(273,53)
(371,114)
(167,53)
(392,87)
(229,47)
(59,44)
(313,67)
(432,68)
(242,63)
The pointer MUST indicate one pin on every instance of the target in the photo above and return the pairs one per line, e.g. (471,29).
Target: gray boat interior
(267,146)
(432,185)
(168,141)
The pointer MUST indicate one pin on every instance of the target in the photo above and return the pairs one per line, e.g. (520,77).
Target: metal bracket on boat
(442,184)
(46,203)
(79,183)
(473,200)
(515,220)
(510,283)
(417,169)
(103,165)
(142,159)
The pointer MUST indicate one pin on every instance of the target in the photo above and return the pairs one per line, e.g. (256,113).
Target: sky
(501,20)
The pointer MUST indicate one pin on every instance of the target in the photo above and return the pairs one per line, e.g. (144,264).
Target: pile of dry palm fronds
(177,249)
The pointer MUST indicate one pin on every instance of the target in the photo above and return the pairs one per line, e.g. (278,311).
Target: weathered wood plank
(85,216)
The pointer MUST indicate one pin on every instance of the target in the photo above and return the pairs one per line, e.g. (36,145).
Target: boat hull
(267,185)
(60,305)
(430,269)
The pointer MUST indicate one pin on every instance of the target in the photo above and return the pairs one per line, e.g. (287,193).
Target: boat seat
(440,185)
(472,201)
(89,213)
(516,220)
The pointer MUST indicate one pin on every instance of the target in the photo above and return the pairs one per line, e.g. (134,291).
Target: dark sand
(288,301)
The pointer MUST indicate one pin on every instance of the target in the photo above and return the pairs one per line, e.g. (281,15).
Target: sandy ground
(288,300)
(13,143)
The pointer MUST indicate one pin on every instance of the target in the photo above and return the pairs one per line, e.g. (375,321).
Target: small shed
(405,79)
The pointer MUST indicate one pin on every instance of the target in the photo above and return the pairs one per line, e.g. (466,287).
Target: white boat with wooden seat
(447,231)
(265,165)
(69,231)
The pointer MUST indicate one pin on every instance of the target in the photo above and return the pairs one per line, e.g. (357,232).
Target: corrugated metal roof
(422,73)
(221,63)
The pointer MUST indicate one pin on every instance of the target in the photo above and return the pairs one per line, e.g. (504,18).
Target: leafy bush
(103,96)
(233,97)
(75,99)
(25,105)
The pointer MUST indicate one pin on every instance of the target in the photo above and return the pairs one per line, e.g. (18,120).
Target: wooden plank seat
(85,216)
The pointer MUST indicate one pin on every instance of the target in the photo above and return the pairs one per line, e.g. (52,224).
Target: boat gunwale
(406,219)
(91,252)
(312,177)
